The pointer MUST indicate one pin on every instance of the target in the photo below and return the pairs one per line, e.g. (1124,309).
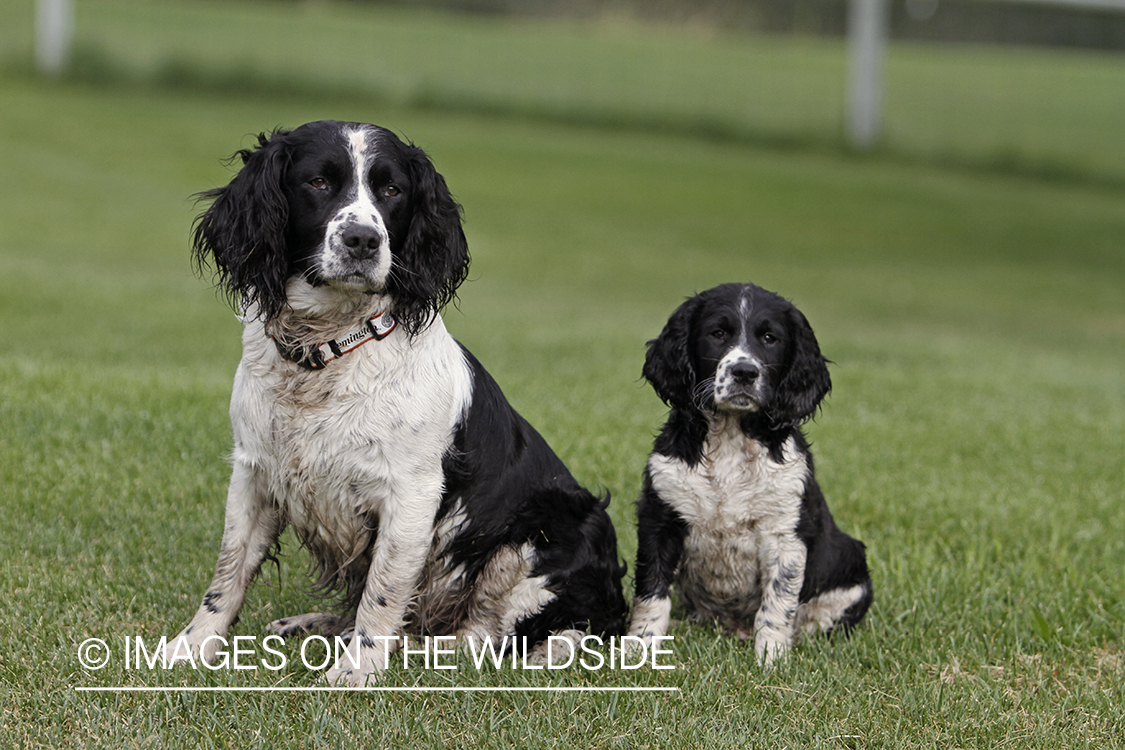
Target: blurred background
(1027,85)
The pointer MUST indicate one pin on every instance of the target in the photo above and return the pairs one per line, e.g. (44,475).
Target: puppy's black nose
(362,241)
(745,372)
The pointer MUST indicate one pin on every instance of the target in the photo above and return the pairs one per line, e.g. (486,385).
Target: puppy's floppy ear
(669,364)
(434,258)
(242,233)
(806,381)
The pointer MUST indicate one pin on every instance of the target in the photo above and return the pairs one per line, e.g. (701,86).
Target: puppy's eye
(718,334)
(769,339)
(391,191)
(319,183)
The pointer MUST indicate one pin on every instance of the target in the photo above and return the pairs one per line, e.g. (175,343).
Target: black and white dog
(424,499)
(730,510)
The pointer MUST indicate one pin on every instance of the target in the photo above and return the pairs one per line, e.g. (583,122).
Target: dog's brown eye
(769,338)
(391,191)
(718,334)
(319,183)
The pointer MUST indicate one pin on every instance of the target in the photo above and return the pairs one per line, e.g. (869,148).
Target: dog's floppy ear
(669,364)
(434,258)
(806,381)
(242,233)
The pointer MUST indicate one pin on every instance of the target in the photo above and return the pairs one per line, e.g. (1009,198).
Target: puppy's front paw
(558,650)
(633,645)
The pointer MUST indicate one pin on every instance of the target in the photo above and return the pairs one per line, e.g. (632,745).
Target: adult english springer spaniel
(425,500)
(730,510)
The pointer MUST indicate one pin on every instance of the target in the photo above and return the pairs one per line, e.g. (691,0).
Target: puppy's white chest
(737,501)
(737,485)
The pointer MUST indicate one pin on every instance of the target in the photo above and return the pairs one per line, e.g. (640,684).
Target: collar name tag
(376,328)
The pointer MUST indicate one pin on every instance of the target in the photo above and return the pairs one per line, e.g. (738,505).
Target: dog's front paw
(190,645)
(308,624)
(357,669)
(347,676)
(770,650)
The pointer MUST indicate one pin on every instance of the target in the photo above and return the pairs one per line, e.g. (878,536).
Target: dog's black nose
(362,241)
(745,372)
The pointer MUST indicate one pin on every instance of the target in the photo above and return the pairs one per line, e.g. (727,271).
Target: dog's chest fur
(340,447)
(734,501)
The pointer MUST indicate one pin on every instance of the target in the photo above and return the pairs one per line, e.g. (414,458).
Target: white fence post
(54,26)
(868,28)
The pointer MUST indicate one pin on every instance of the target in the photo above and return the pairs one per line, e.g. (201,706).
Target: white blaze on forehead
(357,143)
(745,308)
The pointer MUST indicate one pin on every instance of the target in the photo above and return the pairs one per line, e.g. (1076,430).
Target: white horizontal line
(314,689)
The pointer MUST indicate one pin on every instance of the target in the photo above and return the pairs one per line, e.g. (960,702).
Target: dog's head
(343,205)
(739,349)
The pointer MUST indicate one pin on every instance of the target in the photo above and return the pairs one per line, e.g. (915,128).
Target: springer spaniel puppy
(730,510)
(425,500)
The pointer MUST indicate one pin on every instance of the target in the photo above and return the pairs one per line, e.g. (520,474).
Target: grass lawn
(974,437)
